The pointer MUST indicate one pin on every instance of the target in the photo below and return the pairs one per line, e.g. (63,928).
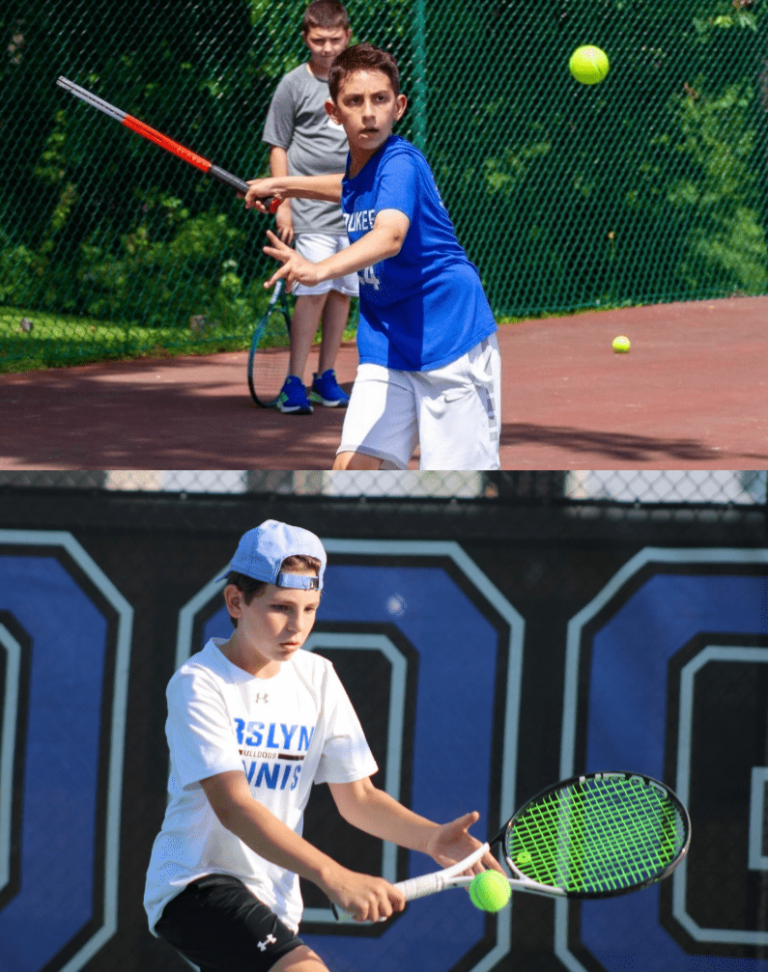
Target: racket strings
(597,836)
(269,355)
(270,366)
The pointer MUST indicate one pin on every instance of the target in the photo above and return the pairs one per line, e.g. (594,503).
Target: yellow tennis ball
(589,64)
(621,344)
(489,891)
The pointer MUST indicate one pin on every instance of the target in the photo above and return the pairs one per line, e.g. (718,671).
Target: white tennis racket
(592,836)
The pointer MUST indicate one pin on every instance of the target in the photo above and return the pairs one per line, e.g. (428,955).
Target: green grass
(59,339)
(545,315)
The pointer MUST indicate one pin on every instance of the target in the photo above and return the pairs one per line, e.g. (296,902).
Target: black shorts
(221,926)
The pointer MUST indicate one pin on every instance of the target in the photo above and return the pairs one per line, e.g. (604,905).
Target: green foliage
(50,169)
(647,187)
(729,15)
(168,282)
(16,263)
(718,198)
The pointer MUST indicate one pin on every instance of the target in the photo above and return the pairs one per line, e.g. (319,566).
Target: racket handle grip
(420,887)
(239,185)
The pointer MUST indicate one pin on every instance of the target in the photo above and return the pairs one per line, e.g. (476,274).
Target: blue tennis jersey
(424,307)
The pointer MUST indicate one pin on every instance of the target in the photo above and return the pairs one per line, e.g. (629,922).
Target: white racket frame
(454,877)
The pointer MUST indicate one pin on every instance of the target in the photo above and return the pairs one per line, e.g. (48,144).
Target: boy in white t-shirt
(253,722)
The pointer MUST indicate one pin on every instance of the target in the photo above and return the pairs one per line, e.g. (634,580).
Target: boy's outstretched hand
(295,269)
(452,842)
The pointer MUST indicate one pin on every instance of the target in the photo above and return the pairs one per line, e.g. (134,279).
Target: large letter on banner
(430,652)
(64,649)
(667,674)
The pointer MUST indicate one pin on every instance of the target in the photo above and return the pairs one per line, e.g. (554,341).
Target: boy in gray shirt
(304,140)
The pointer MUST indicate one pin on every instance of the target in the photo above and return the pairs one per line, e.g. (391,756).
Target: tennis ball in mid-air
(621,344)
(589,64)
(489,891)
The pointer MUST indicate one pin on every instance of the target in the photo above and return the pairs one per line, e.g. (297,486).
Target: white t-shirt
(286,732)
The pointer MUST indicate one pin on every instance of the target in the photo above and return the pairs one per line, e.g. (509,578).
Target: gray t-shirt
(297,121)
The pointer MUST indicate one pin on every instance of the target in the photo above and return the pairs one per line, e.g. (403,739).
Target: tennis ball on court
(589,64)
(489,891)
(621,344)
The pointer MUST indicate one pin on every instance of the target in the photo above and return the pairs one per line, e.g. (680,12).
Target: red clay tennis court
(691,393)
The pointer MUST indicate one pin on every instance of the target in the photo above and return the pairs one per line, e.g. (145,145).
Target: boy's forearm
(278,166)
(273,840)
(278,162)
(376,245)
(382,816)
(323,187)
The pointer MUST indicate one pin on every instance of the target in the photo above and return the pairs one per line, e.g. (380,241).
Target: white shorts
(319,246)
(452,413)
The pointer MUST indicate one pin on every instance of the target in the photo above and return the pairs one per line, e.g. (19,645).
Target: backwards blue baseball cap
(261,552)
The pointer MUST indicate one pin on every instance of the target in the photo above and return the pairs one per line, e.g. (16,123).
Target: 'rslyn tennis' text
(278,764)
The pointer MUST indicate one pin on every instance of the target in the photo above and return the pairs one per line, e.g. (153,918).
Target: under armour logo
(261,697)
(269,940)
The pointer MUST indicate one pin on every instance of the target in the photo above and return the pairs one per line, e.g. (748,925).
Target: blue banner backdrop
(636,713)
(664,671)
(66,757)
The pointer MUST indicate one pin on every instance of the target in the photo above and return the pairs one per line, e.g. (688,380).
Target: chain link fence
(648,187)
(711,488)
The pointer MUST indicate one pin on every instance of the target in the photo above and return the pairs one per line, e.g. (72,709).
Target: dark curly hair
(362,57)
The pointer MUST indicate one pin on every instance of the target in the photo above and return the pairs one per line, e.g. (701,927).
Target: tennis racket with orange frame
(153,135)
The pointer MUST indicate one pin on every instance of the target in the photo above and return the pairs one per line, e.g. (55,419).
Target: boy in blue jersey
(429,370)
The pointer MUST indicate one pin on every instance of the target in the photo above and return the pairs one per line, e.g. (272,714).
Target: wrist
(326,875)
(323,272)
(430,836)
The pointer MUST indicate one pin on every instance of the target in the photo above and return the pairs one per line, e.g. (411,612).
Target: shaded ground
(692,393)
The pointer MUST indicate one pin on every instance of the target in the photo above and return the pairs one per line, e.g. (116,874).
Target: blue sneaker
(293,397)
(326,390)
